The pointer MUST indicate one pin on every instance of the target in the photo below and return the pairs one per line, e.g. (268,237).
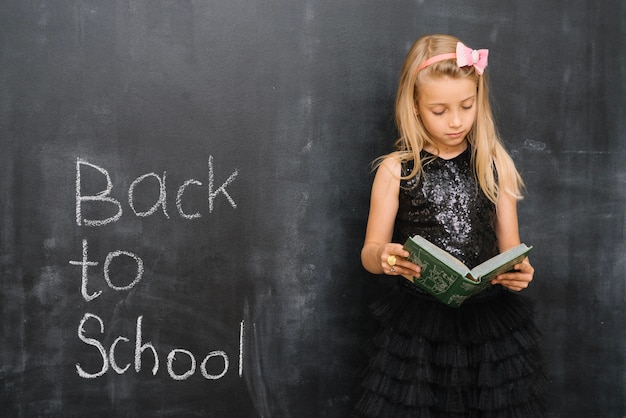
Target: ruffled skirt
(428,360)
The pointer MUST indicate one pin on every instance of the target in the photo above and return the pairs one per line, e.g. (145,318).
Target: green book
(451,281)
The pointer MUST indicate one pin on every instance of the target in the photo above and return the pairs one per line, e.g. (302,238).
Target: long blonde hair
(493,165)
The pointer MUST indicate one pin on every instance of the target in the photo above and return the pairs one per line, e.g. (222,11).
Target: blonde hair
(493,165)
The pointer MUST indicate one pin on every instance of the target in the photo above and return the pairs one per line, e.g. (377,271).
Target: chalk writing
(102,196)
(161,201)
(105,199)
(181,363)
(85,264)
(179,199)
(109,358)
(222,188)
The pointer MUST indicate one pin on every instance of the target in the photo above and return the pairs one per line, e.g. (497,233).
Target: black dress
(429,360)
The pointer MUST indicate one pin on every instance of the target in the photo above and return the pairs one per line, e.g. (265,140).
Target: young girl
(451,181)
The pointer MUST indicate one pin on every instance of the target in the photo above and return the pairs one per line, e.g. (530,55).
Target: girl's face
(447,107)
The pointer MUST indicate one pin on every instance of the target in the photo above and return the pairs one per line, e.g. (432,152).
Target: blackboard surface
(184,189)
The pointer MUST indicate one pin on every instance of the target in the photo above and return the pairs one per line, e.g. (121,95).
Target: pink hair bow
(466,57)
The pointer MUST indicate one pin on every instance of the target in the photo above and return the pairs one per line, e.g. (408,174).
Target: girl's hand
(516,280)
(393,261)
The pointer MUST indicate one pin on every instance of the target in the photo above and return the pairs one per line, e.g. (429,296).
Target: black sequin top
(446,206)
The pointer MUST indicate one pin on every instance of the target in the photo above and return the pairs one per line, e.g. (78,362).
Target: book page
(501,263)
(441,255)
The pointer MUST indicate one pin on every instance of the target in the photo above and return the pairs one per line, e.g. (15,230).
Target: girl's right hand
(393,261)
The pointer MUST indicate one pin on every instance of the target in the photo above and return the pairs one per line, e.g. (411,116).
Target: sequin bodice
(446,206)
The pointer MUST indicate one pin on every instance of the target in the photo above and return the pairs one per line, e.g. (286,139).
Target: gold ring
(391,260)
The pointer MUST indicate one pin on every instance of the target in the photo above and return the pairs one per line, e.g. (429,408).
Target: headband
(465,57)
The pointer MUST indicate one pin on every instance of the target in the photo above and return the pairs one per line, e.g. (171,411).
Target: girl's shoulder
(390,165)
(390,162)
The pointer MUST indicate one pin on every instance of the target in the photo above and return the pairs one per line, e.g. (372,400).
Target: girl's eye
(439,113)
(468,107)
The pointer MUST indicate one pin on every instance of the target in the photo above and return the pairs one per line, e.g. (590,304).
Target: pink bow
(471,57)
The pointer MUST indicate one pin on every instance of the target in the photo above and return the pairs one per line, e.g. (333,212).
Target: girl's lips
(455,135)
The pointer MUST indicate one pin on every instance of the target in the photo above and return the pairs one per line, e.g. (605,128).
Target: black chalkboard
(184,189)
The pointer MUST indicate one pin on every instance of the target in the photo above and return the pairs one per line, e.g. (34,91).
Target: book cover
(451,281)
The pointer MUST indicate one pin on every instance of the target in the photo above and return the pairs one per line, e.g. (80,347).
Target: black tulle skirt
(428,360)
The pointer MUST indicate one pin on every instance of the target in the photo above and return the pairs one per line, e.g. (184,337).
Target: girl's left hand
(516,280)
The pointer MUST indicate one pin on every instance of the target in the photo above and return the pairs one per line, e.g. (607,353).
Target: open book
(451,281)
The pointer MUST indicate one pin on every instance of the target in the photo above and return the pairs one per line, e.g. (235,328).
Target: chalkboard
(184,189)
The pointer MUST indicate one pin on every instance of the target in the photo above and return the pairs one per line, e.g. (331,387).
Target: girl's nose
(455,119)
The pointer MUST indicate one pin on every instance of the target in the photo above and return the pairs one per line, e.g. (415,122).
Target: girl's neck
(447,153)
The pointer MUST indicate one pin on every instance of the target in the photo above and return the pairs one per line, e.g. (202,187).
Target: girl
(451,181)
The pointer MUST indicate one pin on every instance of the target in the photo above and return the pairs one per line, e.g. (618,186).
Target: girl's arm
(507,231)
(383,209)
